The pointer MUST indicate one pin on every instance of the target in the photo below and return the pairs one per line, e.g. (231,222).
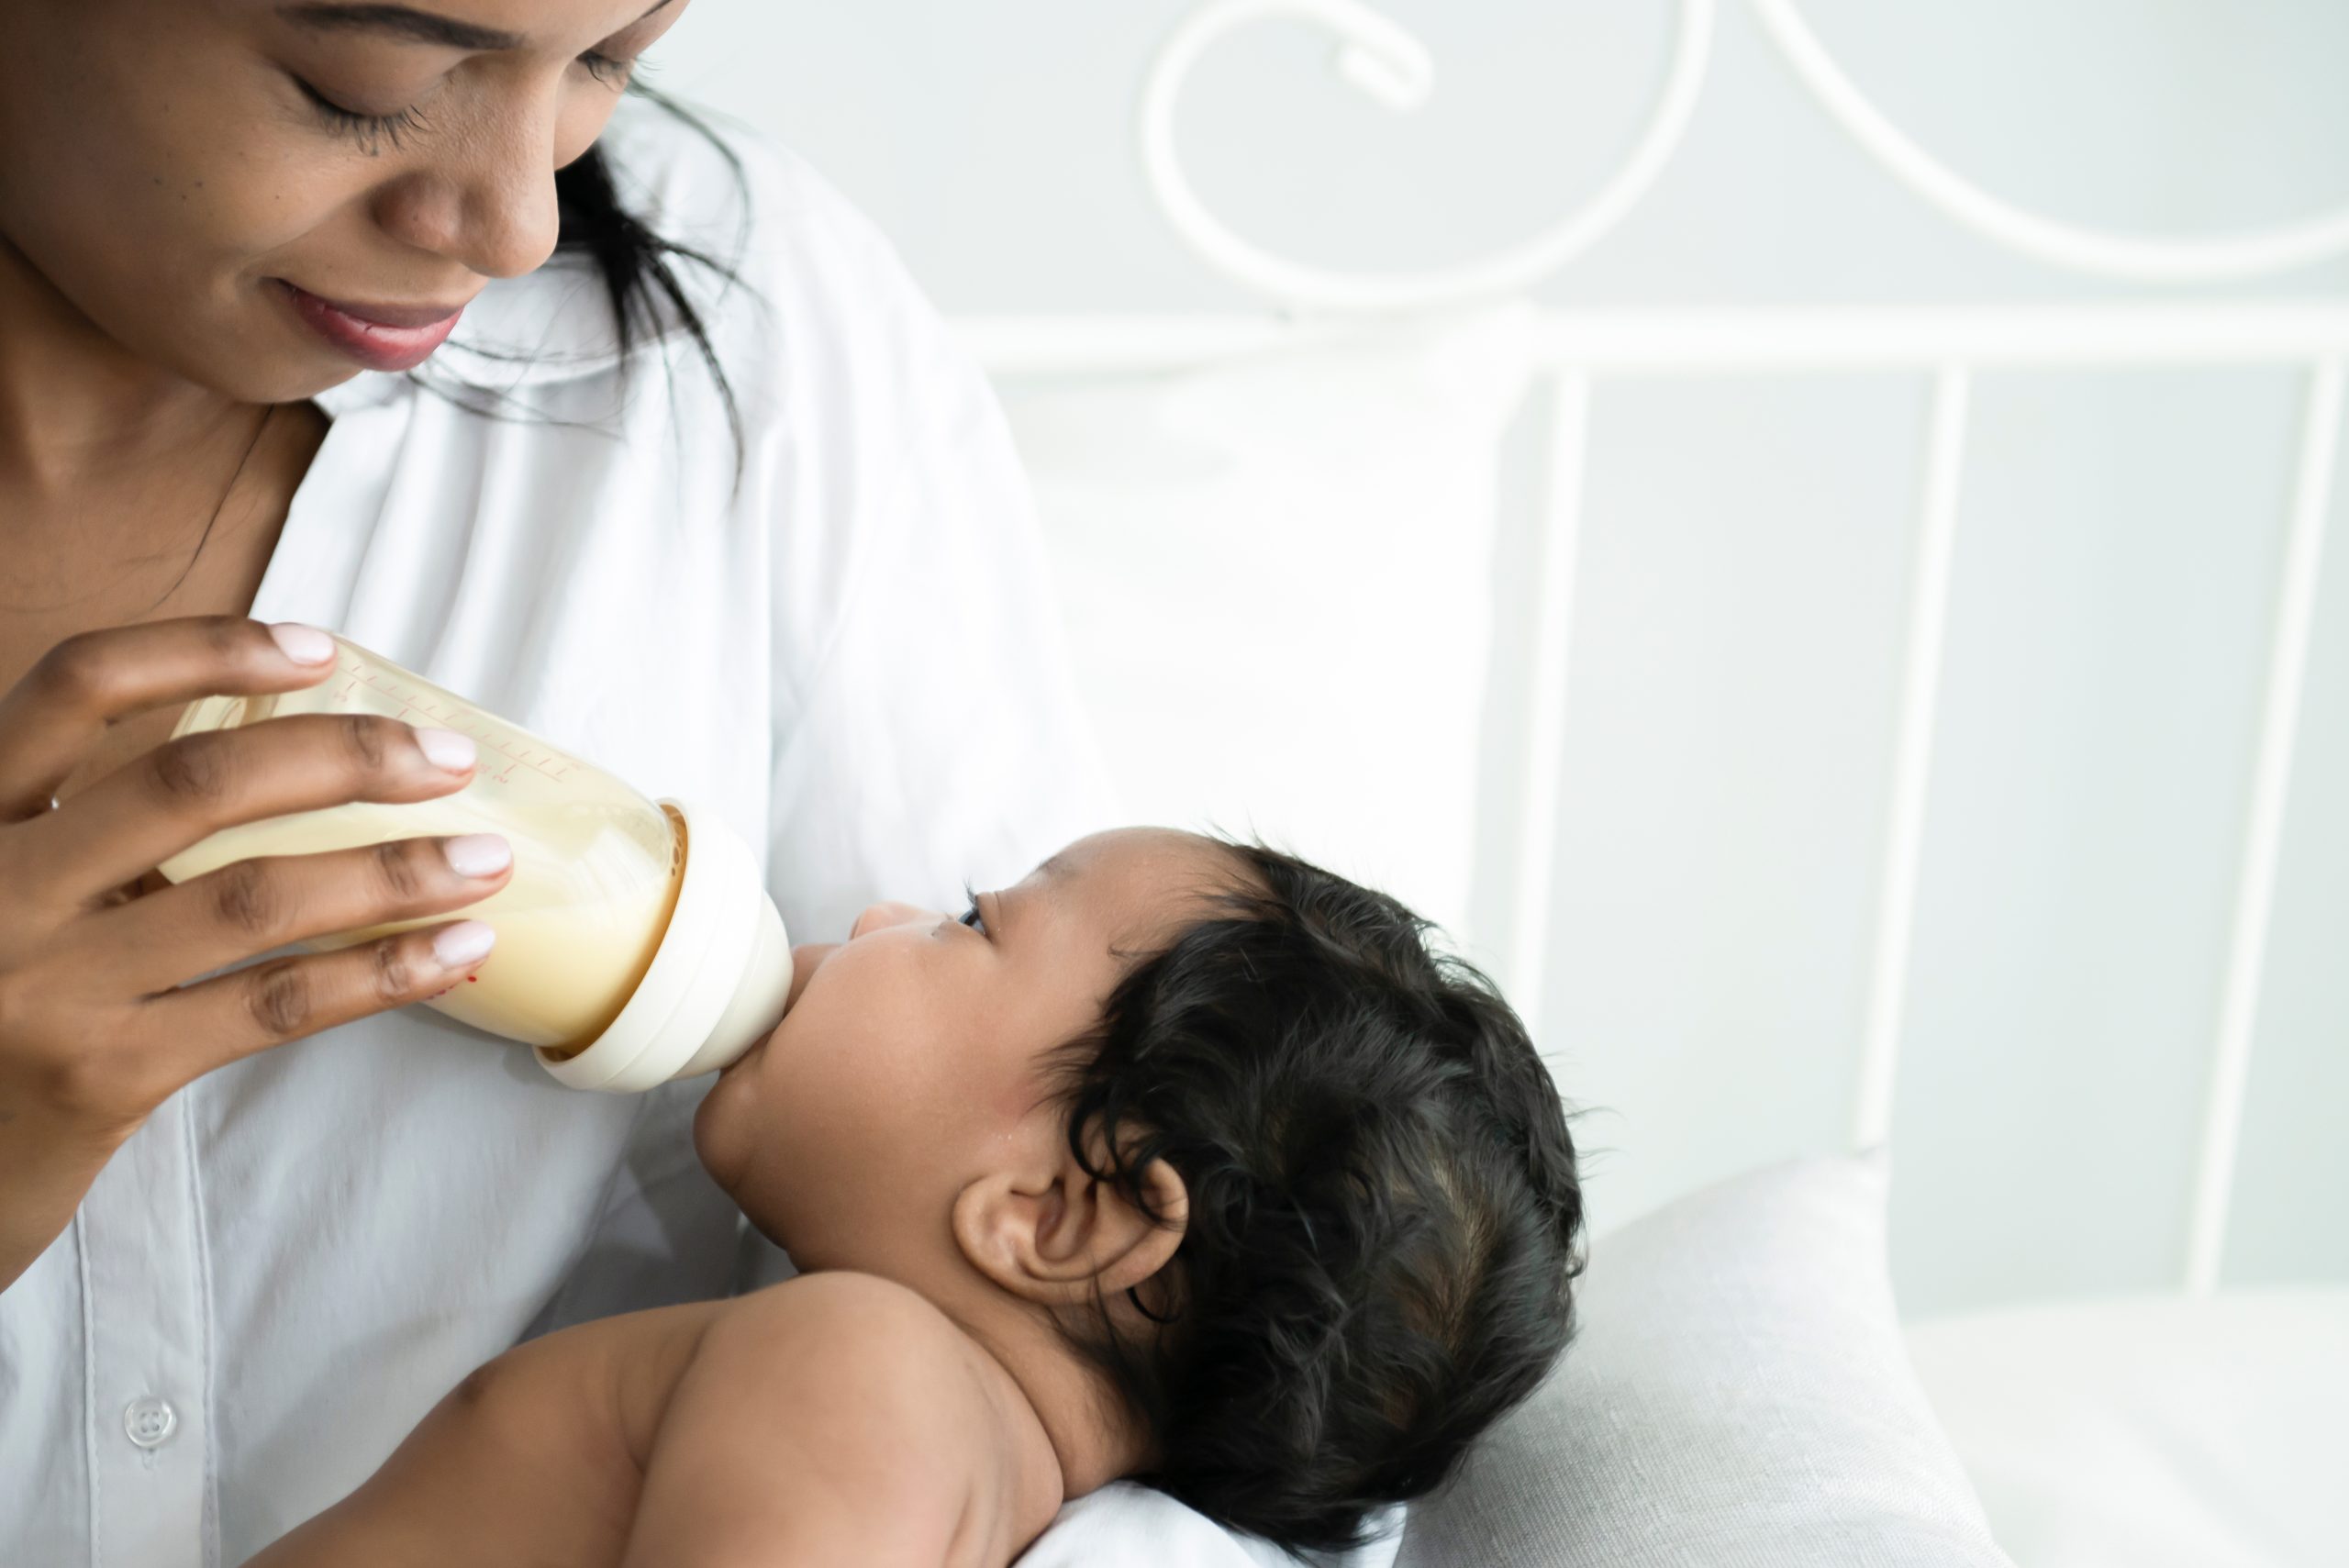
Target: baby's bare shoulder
(839,1412)
(852,1344)
(840,1302)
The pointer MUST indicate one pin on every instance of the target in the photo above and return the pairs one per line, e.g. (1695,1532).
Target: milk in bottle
(635,940)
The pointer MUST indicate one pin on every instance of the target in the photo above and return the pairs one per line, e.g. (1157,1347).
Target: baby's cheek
(823,1110)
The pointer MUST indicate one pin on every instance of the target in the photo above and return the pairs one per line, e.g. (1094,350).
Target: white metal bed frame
(1571,349)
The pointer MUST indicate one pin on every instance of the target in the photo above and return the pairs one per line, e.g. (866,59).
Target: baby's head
(1295,1187)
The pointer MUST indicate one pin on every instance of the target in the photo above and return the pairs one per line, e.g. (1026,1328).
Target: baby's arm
(833,1419)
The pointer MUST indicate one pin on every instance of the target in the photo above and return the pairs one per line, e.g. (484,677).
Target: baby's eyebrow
(1050,868)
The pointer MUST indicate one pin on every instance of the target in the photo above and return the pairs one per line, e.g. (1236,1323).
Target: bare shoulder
(842,1299)
(850,1360)
(844,1334)
(536,1454)
(834,1417)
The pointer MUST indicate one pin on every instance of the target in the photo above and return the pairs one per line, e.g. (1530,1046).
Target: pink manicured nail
(447,749)
(467,942)
(303,644)
(478,854)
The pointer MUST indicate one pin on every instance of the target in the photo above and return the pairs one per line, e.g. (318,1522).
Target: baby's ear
(1058,1236)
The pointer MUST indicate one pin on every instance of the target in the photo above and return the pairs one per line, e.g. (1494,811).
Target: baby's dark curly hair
(1384,1213)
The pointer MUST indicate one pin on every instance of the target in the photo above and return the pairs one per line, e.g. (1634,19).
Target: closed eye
(604,68)
(971,917)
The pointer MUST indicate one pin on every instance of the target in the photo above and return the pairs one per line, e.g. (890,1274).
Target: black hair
(1384,1213)
(639,267)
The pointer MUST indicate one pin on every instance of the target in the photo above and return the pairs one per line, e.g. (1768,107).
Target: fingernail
(303,644)
(447,749)
(478,854)
(467,942)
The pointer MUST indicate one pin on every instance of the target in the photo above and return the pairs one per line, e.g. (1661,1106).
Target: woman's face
(266,197)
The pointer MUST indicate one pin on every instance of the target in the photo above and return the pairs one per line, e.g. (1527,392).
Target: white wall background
(1746,548)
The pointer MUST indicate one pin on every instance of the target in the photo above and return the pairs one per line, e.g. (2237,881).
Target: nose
(879,917)
(491,209)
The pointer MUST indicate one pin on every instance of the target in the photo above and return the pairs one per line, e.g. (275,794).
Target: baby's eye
(971,916)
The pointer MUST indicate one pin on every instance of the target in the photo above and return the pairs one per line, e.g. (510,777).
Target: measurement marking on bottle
(547,765)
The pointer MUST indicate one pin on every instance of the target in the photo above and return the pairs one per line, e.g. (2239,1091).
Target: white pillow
(2167,1433)
(1127,1526)
(1738,1397)
(1277,578)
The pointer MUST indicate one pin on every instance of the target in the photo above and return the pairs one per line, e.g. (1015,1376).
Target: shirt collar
(549,327)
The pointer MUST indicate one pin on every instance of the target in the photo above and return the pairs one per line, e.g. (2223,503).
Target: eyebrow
(414,25)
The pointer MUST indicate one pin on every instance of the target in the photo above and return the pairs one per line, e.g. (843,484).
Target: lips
(380,336)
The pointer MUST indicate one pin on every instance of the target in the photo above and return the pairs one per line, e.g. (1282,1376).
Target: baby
(1180,1160)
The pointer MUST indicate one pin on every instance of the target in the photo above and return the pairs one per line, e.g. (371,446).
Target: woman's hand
(97,1026)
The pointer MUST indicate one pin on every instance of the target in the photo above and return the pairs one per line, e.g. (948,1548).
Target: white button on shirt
(844,644)
(151,1421)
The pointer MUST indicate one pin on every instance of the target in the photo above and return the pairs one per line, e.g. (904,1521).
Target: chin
(718,1138)
(248,356)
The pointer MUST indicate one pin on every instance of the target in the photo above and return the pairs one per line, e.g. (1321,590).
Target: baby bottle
(636,943)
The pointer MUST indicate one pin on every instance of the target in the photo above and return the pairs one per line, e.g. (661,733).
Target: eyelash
(971,917)
(369,131)
(604,68)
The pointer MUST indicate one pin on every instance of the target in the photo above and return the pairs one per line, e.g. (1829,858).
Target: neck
(75,403)
(1094,1440)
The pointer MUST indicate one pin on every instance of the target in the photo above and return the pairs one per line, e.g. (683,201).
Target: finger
(52,719)
(185,790)
(250,906)
(216,1021)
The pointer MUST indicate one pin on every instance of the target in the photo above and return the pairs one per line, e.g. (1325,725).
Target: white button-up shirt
(844,643)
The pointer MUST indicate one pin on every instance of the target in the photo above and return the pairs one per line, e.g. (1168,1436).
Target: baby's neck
(1091,1440)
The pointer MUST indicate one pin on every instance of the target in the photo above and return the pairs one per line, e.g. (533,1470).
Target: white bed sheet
(1127,1526)
(2154,1433)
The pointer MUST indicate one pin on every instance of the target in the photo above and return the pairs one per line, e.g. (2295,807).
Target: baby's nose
(879,917)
